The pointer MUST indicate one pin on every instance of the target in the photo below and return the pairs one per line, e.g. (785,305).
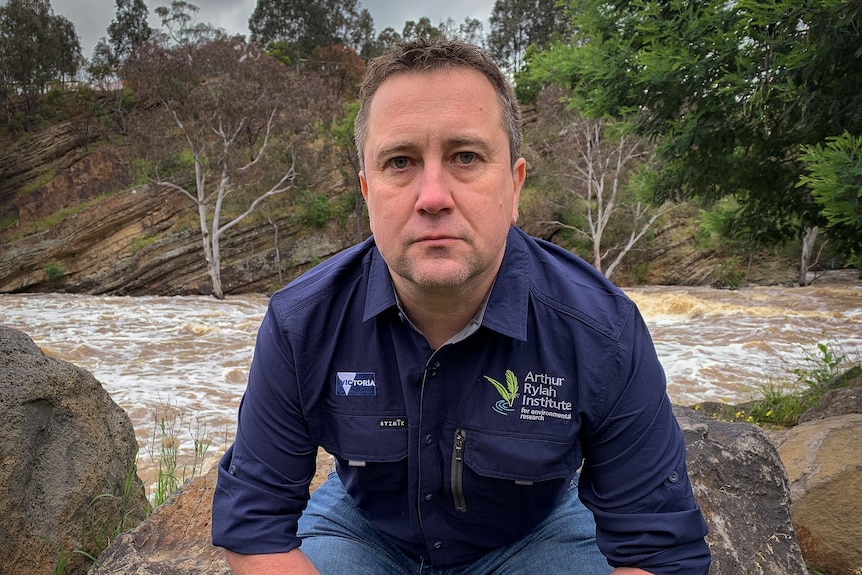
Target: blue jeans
(339,540)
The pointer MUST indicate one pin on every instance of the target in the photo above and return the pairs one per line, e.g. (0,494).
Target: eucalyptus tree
(471,31)
(129,28)
(303,26)
(223,126)
(589,182)
(516,24)
(126,33)
(422,28)
(730,91)
(37,47)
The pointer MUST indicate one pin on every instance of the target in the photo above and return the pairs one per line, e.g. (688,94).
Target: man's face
(438,181)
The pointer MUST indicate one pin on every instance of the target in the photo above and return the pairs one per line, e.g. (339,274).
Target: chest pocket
(518,458)
(525,476)
(372,447)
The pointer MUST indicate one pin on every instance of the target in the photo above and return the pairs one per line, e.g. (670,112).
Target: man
(459,371)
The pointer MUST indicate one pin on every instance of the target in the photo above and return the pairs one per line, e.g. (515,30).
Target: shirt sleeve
(264,478)
(634,478)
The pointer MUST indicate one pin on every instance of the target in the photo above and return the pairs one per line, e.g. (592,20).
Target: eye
(465,158)
(399,163)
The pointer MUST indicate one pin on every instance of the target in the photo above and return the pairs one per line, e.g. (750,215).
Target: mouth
(436,240)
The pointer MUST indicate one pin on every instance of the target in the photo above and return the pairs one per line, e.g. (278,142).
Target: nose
(434,191)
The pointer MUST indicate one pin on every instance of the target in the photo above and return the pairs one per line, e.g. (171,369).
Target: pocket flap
(521,459)
(362,438)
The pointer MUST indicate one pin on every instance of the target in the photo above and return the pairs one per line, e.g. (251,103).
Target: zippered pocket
(457,472)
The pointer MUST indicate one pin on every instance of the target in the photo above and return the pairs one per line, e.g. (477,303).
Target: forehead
(439,95)
(436,87)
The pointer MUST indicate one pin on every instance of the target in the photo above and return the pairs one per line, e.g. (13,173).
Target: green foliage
(423,28)
(36,183)
(140,170)
(833,173)
(174,466)
(98,533)
(54,270)
(7,220)
(314,208)
(180,26)
(128,30)
(141,243)
(37,47)
(729,91)
(728,275)
(300,26)
(53,219)
(781,402)
(518,24)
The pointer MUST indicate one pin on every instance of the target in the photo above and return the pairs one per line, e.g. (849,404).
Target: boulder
(839,401)
(742,489)
(67,479)
(737,476)
(175,540)
(824,465)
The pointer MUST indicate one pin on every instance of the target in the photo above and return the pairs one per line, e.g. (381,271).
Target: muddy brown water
(184,360)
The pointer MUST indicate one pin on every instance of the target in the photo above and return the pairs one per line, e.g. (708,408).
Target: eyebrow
(477,144)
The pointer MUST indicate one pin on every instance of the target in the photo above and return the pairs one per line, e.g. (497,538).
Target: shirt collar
(504,310)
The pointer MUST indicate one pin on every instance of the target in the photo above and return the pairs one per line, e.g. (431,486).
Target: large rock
(175,540)
(840,401)
(67,479)
(738,480)
(824,464)
(742,489)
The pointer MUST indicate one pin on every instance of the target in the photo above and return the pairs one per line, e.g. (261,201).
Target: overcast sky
(91,17)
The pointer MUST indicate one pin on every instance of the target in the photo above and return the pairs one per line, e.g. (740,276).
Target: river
(184,360)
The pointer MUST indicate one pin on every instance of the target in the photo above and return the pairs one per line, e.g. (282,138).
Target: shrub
(54,270)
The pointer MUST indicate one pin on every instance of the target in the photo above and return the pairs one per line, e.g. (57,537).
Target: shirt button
(429,496)
(429,439)
(674,477)
(438,545)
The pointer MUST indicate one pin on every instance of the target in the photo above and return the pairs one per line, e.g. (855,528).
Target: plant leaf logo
(508,392)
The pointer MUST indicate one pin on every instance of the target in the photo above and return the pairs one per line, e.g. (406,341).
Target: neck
(442,313)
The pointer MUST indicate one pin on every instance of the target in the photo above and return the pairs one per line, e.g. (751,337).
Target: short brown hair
(426,56)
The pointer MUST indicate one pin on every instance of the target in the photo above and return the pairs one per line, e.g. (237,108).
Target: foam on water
(192,354)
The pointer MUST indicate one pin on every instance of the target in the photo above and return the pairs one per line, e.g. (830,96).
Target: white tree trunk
(809,238)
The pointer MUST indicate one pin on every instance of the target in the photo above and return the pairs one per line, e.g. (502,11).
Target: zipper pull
(457,471)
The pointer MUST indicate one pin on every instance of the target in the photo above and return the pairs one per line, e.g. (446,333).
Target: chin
(442,279)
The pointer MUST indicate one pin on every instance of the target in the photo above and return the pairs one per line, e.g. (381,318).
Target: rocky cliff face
(78,226)
(81,228)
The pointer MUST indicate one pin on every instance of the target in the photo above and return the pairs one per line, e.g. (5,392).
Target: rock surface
(175,540)
(66,450)
(737,477)
(79,227)
(742,489)
(842,401)
(70,223)
(824,464)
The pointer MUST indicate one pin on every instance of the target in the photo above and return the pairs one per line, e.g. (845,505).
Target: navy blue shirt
(454,452)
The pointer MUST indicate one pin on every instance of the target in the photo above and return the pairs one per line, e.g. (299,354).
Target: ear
(363,185)
(519,174)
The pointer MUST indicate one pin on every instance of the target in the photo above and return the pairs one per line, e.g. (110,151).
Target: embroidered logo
(508,392)
(355,384)
(392,423)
